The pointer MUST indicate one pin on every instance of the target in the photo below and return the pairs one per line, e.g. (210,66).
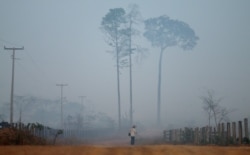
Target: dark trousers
(132,140)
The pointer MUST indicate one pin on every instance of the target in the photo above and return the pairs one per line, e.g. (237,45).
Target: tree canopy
(164,32)
(113,26)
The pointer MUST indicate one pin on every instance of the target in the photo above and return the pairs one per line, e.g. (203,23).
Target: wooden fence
(223,134)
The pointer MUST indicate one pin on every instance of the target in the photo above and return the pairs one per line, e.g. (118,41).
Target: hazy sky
(63,43)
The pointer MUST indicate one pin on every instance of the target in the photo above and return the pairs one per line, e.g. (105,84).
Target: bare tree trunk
(118,83)
(130,75)
(159,91)
(118,93)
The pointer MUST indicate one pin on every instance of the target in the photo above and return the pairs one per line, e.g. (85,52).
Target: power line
(12,81)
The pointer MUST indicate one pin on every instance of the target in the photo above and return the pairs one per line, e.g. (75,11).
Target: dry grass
(114,146)
(124,150)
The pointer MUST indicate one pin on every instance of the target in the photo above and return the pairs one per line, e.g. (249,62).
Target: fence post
(215,135)
(222,134)
(240,132)
(203,130)
(180,136)
(234,132)
(228,133)
(175,135)
(165,135)
(207,134)
(210,134)
(170,135)
(246,127)
(195,135)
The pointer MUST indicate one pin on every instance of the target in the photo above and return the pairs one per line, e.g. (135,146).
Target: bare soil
(124,150)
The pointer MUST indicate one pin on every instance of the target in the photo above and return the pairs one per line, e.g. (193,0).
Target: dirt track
(123,150)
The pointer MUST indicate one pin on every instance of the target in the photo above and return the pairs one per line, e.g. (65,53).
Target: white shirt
(132,132)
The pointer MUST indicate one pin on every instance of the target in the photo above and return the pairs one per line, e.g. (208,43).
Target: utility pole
(12,80)
(20,107)
(82,98)
(61,85)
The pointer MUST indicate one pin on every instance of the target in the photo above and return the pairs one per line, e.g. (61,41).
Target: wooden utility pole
(12,80)
(61,85)
(83,113)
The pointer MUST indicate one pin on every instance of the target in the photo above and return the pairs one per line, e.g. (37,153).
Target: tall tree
(133,17)
(164,32)
(113,26)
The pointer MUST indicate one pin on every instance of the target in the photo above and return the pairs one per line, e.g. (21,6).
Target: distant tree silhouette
(211,105)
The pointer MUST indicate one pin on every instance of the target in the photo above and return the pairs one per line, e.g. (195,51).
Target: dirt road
(123,150)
